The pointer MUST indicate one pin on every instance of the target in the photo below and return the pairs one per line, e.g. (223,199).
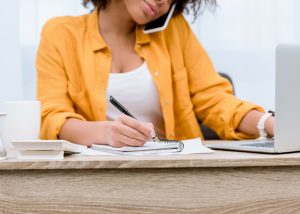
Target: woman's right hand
(127,131)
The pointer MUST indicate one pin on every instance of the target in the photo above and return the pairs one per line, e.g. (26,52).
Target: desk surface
(218,159)
(223,182)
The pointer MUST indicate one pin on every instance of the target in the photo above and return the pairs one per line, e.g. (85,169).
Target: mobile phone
(161,23)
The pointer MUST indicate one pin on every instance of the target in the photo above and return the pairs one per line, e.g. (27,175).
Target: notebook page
(147,146)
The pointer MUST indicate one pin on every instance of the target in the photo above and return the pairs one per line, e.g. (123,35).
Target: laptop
(287,108)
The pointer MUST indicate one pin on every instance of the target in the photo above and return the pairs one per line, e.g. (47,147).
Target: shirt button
(173,134)
(168,102)
(156,73)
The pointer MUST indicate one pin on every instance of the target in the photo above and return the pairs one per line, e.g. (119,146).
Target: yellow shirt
(73,65)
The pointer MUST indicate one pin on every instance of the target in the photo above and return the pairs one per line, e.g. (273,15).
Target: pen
(122,109)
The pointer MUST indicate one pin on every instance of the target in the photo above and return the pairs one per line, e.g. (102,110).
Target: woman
(165,79)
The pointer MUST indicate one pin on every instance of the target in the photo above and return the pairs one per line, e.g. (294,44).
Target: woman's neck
(115,19)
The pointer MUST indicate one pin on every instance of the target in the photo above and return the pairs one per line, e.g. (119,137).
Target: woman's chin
(142,19)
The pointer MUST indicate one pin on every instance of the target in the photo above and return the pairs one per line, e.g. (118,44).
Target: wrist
(261,125)
(102,131)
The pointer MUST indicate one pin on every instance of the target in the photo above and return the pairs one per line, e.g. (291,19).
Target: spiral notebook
(166,146)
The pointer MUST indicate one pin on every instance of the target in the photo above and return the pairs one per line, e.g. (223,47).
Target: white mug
(2,137)
(23,120)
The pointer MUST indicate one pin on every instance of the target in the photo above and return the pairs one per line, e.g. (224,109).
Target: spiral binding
(180,144)
(169,141)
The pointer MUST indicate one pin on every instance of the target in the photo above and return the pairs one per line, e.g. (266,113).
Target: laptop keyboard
(260,145)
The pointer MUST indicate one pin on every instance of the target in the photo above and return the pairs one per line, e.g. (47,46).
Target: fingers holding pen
(146,129)
(127,131)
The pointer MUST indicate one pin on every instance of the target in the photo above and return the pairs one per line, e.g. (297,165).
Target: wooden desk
(224,182)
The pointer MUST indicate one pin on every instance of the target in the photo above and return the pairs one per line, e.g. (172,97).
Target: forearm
(83,132)
(249,124)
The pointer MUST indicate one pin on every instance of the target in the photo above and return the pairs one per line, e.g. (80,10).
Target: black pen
(122,109)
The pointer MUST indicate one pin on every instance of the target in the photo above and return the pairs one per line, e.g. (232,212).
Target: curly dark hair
(182,5)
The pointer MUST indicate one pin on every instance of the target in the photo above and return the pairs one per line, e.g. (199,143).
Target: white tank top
(136,91)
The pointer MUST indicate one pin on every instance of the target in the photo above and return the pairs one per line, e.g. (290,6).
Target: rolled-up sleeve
(212,95)
(52,84)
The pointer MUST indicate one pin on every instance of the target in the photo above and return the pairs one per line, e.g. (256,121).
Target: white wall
(10,61)
(240,36)
(34,14)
